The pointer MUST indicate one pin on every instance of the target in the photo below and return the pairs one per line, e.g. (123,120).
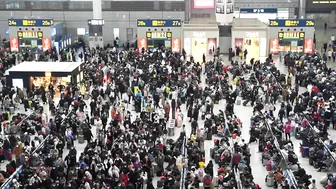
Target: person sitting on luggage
(324,164)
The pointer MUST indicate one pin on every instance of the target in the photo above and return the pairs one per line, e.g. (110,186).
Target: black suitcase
(159,184)
(261,148)
(92,121)
(212,152)
(208,135)
(311,161)
(5,116)
(69,144)
(252,139)
(217,157)
(159,173)
(203,116)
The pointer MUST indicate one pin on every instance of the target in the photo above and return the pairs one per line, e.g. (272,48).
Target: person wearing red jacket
(124,178)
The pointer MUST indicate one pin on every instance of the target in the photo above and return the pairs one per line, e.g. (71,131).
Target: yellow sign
(30,34)
(159,35)
(149,34)
(302,35)
(291,23)
(273,23)
(291,35)
(158,23)
(280,35)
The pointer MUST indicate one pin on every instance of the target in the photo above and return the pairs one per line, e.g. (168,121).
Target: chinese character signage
(159,23)
(30,34)
(291,35)
(159,35)
(259,10)
(31,22)
(292,23)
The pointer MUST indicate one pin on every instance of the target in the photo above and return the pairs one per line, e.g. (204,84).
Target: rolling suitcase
(238,102)
(80,139)
(11,109)
(212,152)
(208,135)
(69,144)
(159,184)
(217,157)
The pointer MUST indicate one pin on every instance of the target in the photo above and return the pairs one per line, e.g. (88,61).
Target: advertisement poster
(212,45)
(228,6)
(274,46)
(308,46)
(239,42)
(46,44)
(142,43)
(187,45)
(204,4)
(220,6)
(14,44)
(176,45)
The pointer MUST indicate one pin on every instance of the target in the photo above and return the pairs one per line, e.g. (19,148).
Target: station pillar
(96,25)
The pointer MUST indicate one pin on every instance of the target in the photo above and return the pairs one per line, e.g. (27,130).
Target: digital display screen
(96,22)
(30,34)
(204,4)
(159,23)
(159,35)
(315,6)
(31,22)
(292,23)
(291,35)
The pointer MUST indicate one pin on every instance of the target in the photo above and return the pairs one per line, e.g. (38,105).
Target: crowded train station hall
(167,94)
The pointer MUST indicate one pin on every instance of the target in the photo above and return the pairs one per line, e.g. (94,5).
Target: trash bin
(170,130)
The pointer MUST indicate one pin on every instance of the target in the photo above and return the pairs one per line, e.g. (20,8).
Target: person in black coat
(190,112)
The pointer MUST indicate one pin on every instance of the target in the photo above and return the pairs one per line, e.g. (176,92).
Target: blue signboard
(31,22)
(159,23)
(291,23)
(259,10)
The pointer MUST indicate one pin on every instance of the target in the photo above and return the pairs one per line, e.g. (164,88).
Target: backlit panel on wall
(176,45)
(204,4)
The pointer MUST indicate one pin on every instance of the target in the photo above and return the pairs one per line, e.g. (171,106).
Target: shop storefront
(32,75)
(295,35)
(250,34)
(159,33)
(200,40)
(33,34)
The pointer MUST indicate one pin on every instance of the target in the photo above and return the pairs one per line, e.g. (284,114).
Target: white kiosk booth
(250,34)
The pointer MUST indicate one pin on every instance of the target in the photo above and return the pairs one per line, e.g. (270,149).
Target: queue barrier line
(287,172)
(6,185)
